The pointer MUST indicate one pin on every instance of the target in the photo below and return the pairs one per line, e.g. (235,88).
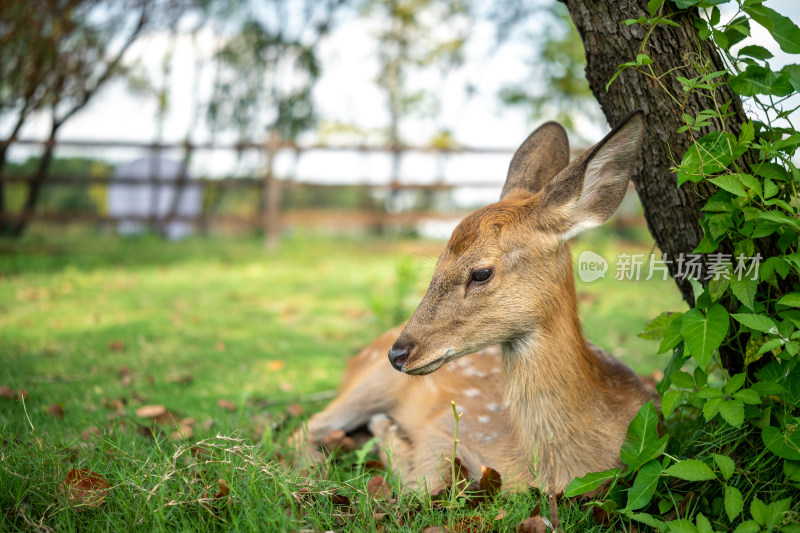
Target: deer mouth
(432,366)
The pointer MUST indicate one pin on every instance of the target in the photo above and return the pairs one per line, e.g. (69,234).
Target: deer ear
(543,155)
(592,186)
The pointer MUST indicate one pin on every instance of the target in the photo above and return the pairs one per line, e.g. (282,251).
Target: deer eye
(481,274)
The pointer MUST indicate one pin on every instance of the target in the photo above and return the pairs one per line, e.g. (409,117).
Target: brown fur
(526,375)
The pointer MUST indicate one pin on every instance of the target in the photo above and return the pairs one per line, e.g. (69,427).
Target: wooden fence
(272,209)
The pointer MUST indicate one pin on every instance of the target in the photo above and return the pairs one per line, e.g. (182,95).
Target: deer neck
(553,380)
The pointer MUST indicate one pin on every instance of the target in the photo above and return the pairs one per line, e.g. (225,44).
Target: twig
(551,495)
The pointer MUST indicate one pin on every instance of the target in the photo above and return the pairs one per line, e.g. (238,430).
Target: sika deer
(503,294)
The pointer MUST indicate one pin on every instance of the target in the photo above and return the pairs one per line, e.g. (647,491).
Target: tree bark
(672,213)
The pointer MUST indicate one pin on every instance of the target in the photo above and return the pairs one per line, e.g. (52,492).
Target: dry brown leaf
(294,409)
(374,464)
(7,392)
(226,404)
(223,491)
(462,474)
(22,393)
(219,346)
(534,524)
(377,517)
(378,488)
(501,514)
(491,481)
(286,386)
(151,411)
(434,529)
(168,418)
(471,524)
(90,433)
(116,346)
(183,379)
(55,410)
(84,489)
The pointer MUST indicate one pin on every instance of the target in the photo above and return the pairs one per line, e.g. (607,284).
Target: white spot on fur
(493,407)
(471,393)
(483,419)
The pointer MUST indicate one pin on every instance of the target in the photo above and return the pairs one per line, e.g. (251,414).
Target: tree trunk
(35,187)
(672,213)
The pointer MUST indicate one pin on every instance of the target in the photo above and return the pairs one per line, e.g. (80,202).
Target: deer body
(500,316)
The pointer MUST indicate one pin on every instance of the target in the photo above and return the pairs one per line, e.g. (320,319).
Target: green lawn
(102,326)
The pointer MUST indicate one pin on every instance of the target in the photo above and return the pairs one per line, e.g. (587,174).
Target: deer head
(506,270)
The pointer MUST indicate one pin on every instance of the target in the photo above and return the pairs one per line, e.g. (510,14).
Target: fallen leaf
(374,464)
(285,386)
(226,404)
(219,346)
(378,488)
(276,365)
(55,410)
(223,491)
(377,517)
(534,524)
(84,489)
(116,346)
(434,529)
(124,371)
(22,393)
(471,524)
(7,392)
(462,474)
(183,379)
(294,409)
(501,514)
(90,433)
(151,411)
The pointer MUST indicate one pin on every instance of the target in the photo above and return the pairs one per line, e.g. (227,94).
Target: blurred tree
(414,36)
(265,74)
(63,53)
(556,85)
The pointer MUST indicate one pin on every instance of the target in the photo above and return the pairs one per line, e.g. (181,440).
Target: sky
(346,92)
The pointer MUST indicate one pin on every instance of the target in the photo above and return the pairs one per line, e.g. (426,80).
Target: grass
(224,335)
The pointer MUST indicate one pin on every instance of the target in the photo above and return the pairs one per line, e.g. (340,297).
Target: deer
(498,334)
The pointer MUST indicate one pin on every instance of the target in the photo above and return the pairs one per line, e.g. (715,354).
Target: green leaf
(656,328)
(755,51)
(725,464)
(735,383)
(748,396)
(641,442)
(732,411)
(672,335)
(683,380)
(691,470)
(589,482)
(748,526)
(683,4)
(703,335)
(734,503)
(744,289)
(761,80)
(781,218)
(783,445)
(769,346)
(711,408)
(669,401)
(759,511)
(782,29)
(644,485)
(730,183)
(757,322)
(653,5)
(647,519)
(790,300)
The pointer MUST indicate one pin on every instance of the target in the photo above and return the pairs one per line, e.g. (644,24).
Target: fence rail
(266,210)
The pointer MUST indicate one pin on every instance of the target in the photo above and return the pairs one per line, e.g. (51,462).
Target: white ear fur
(605,178)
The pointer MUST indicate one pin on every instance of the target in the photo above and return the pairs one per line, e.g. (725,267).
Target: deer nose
(398,355)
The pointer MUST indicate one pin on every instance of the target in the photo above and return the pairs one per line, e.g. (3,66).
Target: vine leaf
(642,443)
(691,470)
(704,334)
(644,486)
